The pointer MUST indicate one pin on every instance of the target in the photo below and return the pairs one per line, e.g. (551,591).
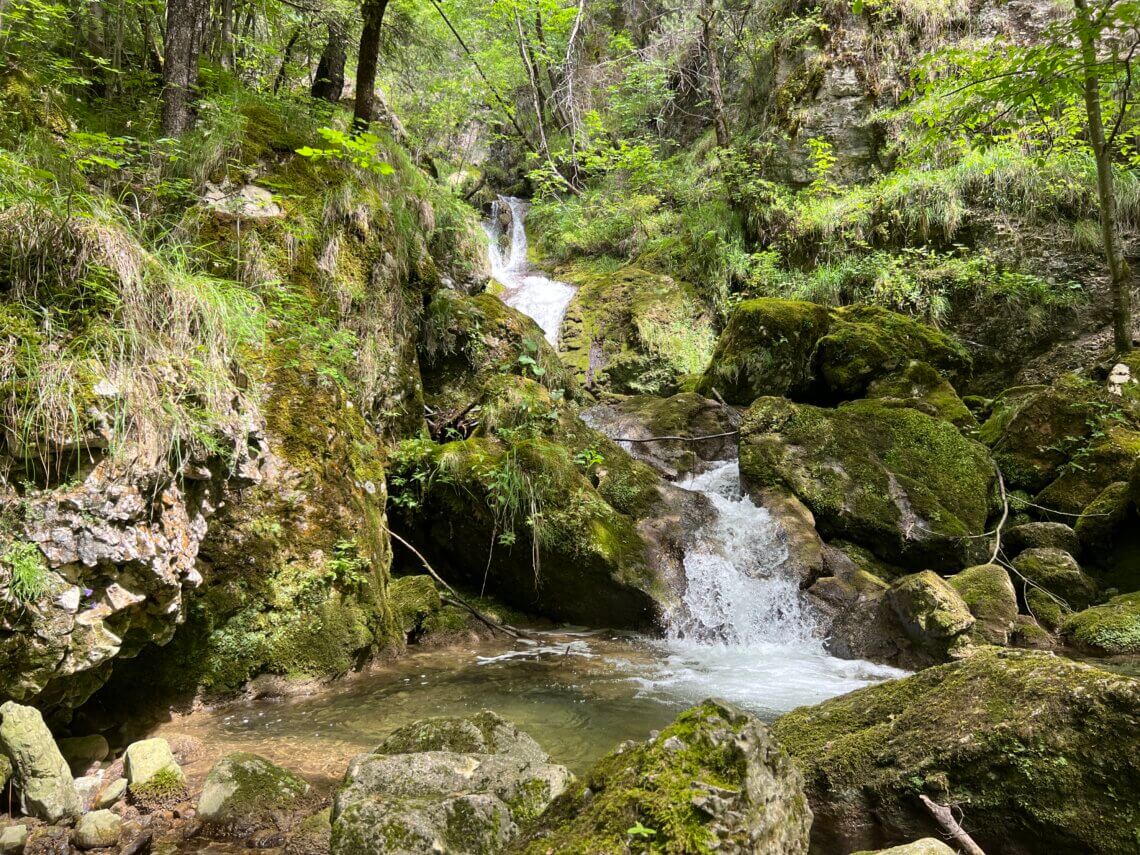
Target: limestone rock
(729,787)
(989,593)
(246,203)
(920,386)
(990,728)
(5,770)
(897,481)
(460,784)
(110,794)
(46,788)
(97,829)
(244,791)
(147,758)
(12,839)
(931,611)
(1058,573)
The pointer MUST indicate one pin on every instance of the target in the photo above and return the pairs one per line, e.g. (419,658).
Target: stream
(743,632)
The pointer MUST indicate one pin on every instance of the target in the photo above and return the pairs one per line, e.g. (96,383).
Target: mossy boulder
(905,485)
(634,331)
(1058,573)
(462,785)
(1105,461)
(713,781)
(243,792)
(1040,535)
(1109,533)
(989,593)
(1111,629)
(766,349)
(920,386)
(866,343)
(685,414)
(414,599)
(932,612)
(41,775)
(925,846)
(1016,737)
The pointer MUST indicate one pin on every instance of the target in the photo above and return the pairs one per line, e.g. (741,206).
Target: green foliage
(363,150)
(27,572)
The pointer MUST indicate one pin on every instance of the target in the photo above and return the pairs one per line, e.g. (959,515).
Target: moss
(992,600)
(1058,573)
(165,789)
(414,599)
(1109,629)
(766,349)
(892,479)
(1091,471)
(920,386)
(244,790)
(931,611)
(633,331)
(864,343)
(1017,735)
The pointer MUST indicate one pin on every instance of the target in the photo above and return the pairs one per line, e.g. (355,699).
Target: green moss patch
(1110,629)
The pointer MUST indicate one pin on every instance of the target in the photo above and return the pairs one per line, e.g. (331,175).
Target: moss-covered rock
(634,331)
(932,612)
(926,846)
(1058,573)
(989,593)
(1109,533)
(414,599)
(865,343)
(1112,629)
(920,386)
(713,781)
(1040,535)
(244,792)
(893,479)
(766,349)
(1107,460)
(1016,737)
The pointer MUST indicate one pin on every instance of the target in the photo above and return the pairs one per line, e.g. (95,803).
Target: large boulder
(1016,738)
(920,386)
(714,780)
(1040,535)
(906,485)
(1106,460)
(43,778)
(933,614)
(243,792)
(1111,629)
(766,349)
(459,785)
(1058,573)
(988,592)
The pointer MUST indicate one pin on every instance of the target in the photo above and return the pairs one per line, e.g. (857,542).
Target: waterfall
(527,290)
(736,592)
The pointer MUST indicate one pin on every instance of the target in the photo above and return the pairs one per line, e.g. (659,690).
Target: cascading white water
(530,292)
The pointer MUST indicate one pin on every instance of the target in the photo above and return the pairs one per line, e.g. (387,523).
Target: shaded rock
(685,414)
(1040,535)
(1099,465)
(931,611)
(989,593)
(43,777)
(414,599)
(1111,629)
(989,728)
(1106,523)
(97,829)
(1029,634)
(1058,573)
(312,835)
(82,751)
(920,386)
(729,787)
(5,770)
(12,839)
(903,484)
(766,349)
(244,791)
(146,758)
(925,846)
(462,784)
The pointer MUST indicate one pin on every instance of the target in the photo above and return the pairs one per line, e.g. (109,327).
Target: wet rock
(82,751)
(932,612)
(463,784)
(46,788)
(1058,573)
(312,835)
(1040,535)
(414,599)
(729,787)
(989,728)
(12,839)
(244,791)
(989,593)
(97,829)
(905,485)
(147,758)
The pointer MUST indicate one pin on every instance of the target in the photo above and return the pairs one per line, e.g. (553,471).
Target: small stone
(111,794)
(12,839)
(673,743)
(147,758)
(97,829)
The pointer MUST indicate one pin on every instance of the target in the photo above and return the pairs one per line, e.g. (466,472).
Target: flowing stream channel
(742,632)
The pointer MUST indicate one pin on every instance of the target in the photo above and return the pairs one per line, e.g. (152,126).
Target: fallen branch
(944,816)
(685,438)
(459,601)
(1004,515)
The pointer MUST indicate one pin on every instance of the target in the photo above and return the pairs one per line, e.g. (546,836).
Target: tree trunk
(286,58)
(716,95)
(180,65)
(1106,195)
(226,36)
(367,62)
(329,82)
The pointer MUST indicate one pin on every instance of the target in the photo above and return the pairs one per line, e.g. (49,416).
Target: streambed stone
(12,839)
(97,830)
(147,758)
(243,791)
(460,785)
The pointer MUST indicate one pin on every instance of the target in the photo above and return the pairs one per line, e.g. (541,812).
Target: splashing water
(524,289)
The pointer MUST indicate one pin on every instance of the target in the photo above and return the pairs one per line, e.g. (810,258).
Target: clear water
(742,633)
(524,289)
